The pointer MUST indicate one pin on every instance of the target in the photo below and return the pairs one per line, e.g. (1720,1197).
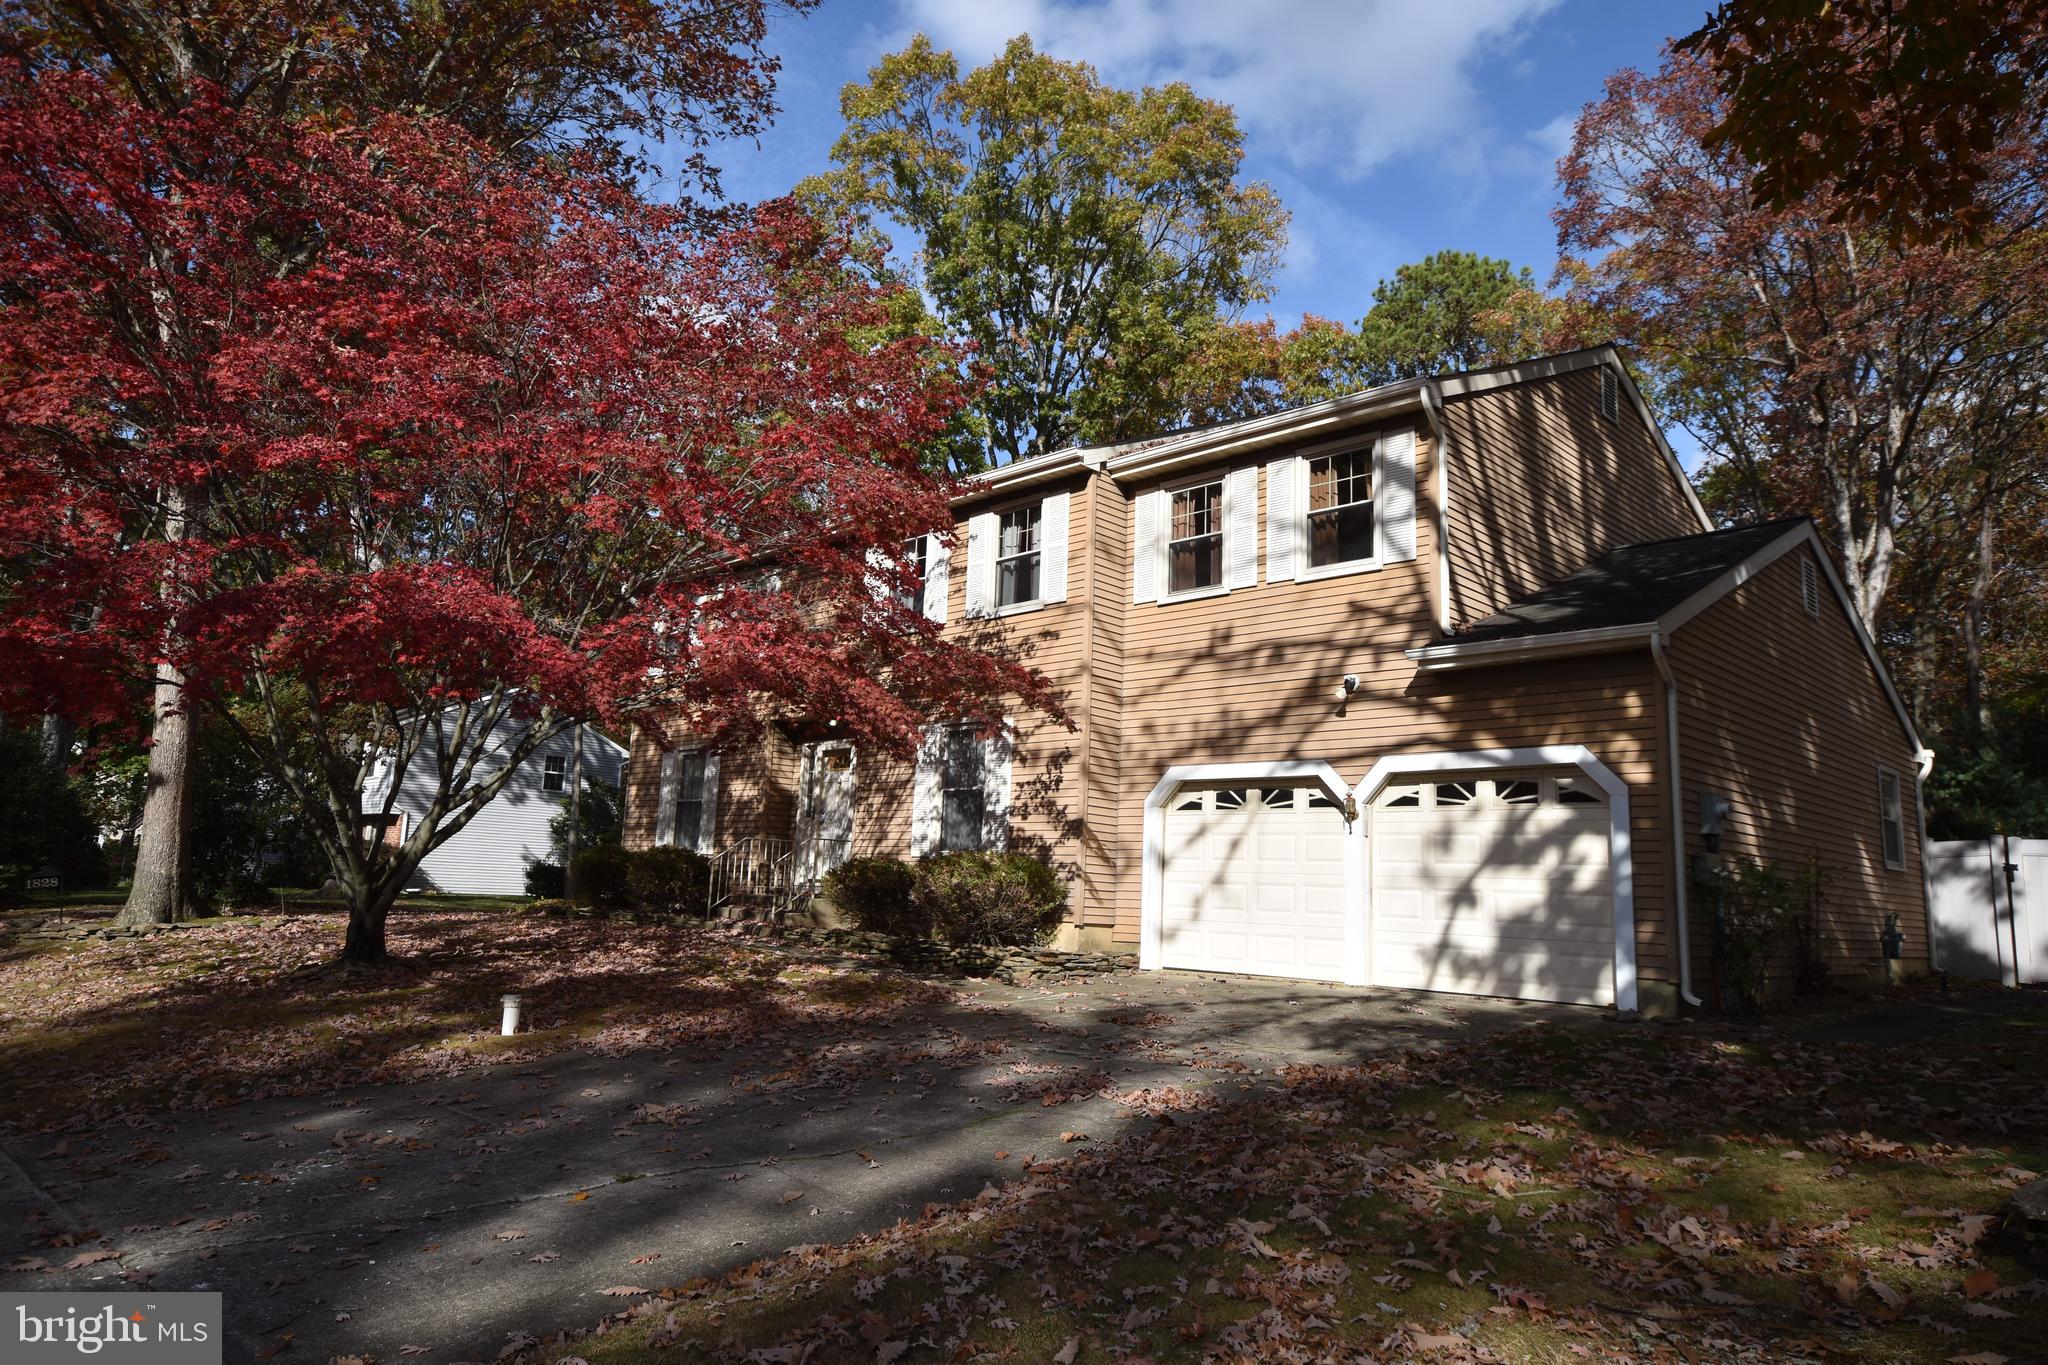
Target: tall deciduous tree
(526,78)
(1894,110)
(1086,239)
(1891,390)
(483,441)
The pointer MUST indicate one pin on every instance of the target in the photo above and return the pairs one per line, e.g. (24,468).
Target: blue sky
(1389,128)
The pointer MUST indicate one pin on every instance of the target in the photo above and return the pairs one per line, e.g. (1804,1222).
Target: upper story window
(553,773)
(917,558)
(1340,509)
(1017,556)
(1194,545)
(1891,816)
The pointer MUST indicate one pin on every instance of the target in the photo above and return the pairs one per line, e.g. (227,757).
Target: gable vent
(1809,586)
(1610,394)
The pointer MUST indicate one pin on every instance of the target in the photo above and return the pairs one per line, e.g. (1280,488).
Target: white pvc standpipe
(510,1025)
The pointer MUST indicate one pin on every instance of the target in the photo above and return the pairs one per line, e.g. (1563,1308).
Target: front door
(827,829)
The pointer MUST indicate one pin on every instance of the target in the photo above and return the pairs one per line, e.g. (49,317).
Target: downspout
(1679,896)
(1432,407)
(1923,767)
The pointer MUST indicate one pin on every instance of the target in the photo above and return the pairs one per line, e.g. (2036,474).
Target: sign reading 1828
(45,883)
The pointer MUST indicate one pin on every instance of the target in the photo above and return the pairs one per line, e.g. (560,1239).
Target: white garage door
(1254,882)
(1494,886)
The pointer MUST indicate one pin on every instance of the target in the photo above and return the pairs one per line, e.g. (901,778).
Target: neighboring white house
(490,855)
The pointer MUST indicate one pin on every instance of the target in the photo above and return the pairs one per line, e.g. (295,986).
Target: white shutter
(938,576)
(995,791)
(924,792)
(1395,505)
(1241,528)
(665,799)
(1052,548)
(707,823)
(1148,553)
(1283,517)
(981,565)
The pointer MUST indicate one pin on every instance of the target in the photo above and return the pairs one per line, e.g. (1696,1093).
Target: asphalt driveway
(460,1217)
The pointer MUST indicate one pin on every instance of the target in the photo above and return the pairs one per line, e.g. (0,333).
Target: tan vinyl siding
(756,787)
(1540,482)
(1104,857)
(1783,715)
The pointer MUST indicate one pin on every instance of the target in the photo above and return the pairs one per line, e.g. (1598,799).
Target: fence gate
(1990,908)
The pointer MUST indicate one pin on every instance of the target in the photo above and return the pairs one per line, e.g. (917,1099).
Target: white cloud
(1335,86)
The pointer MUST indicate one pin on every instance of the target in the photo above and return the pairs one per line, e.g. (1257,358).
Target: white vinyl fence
(1990,908)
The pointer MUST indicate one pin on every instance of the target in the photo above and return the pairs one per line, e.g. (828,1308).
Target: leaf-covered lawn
(1625,1194)
(219,1013)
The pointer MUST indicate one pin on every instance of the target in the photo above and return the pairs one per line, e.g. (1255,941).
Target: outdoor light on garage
(1346,687)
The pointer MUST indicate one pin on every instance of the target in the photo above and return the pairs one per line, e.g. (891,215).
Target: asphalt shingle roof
(1628,585)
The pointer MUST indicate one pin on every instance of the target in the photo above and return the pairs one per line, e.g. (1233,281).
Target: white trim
(938,574)
(1054,515)
(1152,874)
(1620,846)
(1561,644)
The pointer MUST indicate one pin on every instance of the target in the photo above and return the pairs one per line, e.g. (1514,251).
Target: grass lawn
(219,1012)
(1635,1193)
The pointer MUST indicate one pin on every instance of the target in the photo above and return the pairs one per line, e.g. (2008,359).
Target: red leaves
(446,422)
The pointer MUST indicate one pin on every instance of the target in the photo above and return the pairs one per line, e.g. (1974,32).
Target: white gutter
(1679,896)
(1561,644)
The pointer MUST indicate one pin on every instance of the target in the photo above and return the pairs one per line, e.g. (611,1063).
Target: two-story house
(1440,685)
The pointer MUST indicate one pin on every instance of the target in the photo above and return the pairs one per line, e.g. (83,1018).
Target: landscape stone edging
(1008,964)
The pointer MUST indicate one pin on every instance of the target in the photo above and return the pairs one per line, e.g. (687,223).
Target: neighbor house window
(963,793)
(1891,819)
(1194,544)
(689,800)
(1339,508)
(1017,557)
(553,773)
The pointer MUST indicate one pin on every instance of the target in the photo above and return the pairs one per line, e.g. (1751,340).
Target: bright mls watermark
(162,1329)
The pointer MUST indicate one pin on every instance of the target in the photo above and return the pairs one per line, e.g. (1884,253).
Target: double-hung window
(917,559)
(1891,816)
(963,798)
(554,773)
(1340,509)
(1194,538)
(689,800)
(1017,556)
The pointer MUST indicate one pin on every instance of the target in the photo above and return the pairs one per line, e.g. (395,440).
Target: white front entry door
(1494,886)
(1253,882)
(825,824)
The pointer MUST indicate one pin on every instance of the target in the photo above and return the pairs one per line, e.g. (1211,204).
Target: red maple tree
(370,434)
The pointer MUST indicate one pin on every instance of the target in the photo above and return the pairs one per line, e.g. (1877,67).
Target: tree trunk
(58,733)
(367,912)
(1975,696)
(573,843)
(161,891)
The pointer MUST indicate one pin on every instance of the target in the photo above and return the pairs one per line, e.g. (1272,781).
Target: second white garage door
(1494,886)
(1254,882)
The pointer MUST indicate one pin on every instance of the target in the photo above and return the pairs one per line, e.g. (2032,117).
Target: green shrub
(602,875)
(546,881)
(875,893)
(672,880)
(989,898)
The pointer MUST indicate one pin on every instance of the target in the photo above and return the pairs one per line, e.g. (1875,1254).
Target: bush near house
(604,875)
(547,881)
(989,898)
(674,880)
(875,893)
